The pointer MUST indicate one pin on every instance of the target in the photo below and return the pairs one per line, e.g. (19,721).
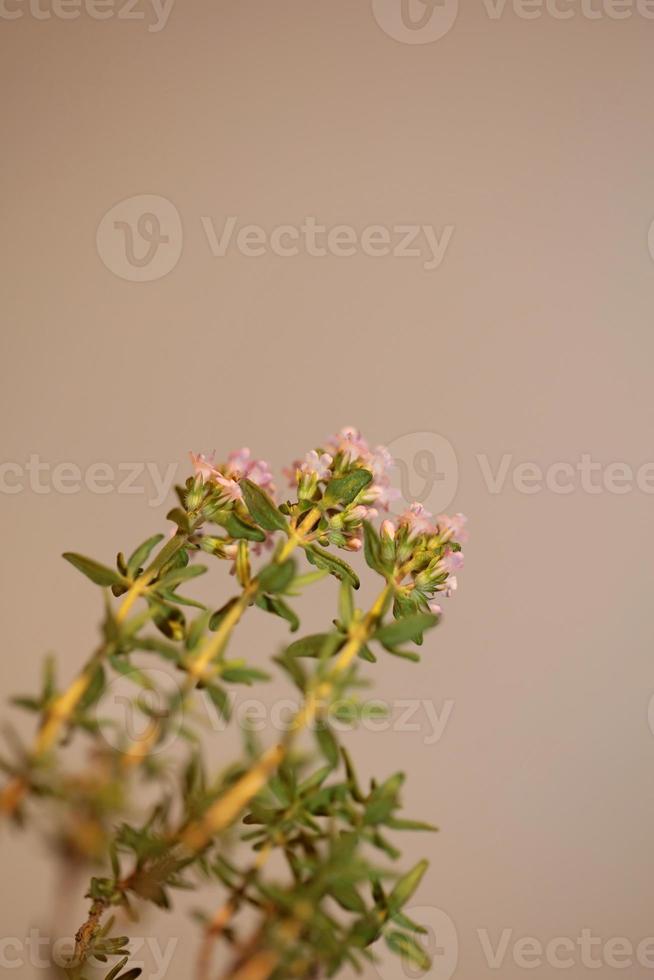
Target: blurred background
(253,223)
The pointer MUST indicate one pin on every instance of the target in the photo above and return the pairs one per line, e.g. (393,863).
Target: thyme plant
(300,797)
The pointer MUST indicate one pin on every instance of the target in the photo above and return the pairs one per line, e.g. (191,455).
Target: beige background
(534,139)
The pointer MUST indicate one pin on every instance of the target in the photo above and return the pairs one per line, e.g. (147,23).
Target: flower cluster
(426,553)
(226,476)
(343,453)
(345,484)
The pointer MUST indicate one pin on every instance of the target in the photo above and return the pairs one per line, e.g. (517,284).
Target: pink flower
(317,465)
(435,608)
(380,462)
(229,487)
(383,494)
(259,472)
(240,465)
(453,528)
(239,462)
(351,443)
(290,472)
(203,465)
(452,561)
(417,519)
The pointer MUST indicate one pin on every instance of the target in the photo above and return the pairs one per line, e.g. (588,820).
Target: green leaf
(406,886)
(180,518)
(328,745)
(353,782)
(197,629)
(276,577)
(116,970)
(261,508)
(406,947)
(294,670)
(139,557)
(179,575)
(308,646)
(123,666)
(365,653)
(346,489)
(220,699)
(100,574)
(94,690)
(345,603)
(220,614)
(409,628)
(236,527)
(25,702)
(403,654)
(395,823)
(243,675)
(273,604)
(372,548)
(347,896)
(335,566)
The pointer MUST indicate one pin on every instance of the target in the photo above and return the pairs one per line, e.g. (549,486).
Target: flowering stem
(224,811)
(62,708)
